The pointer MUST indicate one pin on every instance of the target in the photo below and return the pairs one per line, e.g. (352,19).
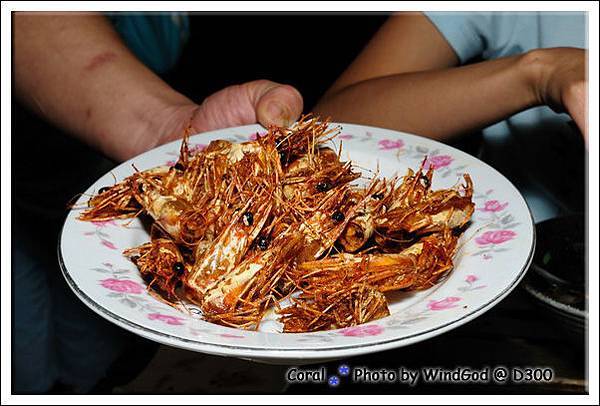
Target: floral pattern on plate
(494,253)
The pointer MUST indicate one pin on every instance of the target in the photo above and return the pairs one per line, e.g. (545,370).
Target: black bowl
(557,278)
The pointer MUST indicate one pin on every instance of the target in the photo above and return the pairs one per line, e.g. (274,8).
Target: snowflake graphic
(333,381)
(344,370)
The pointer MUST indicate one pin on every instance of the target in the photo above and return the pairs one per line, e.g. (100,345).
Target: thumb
(275,103)
(575,102)
(259,101)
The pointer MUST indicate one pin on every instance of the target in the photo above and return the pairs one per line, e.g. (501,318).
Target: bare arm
(75,71)
(407,78)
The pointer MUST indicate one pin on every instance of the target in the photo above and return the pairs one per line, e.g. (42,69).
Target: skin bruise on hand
(99,60)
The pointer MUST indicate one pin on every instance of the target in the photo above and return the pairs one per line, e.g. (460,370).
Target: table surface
(515,333)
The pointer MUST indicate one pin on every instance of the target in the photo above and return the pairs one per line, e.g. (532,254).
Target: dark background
(306,51)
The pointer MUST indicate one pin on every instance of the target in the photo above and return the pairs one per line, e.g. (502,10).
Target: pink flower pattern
(493,206)
(102,224)
(345,136)
(197,148)
(471,278)
(390,144)
(495,237)
(443,304)
(255,136)
(362,331)
(438,161)
(172,320)
(109,244)
(226,335)
(122,285)
(103,236)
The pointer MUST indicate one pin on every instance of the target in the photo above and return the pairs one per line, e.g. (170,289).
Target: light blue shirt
(491,35)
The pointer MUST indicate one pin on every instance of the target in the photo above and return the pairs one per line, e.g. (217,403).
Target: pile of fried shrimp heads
(239,229)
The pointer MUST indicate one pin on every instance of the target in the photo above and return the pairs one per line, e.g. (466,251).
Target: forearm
(75,71)
(439,103)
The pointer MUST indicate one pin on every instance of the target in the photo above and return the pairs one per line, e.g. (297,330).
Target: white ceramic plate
(495,252)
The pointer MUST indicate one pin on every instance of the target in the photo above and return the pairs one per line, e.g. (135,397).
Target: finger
(229,107)
(277,104)
(259,101)
(580,120)
(576,106)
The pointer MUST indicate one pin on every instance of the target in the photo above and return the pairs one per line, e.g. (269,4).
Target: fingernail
(276,113)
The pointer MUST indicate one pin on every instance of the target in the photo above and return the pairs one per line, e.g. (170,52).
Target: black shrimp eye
(323,186)
(283,157)
(377,196)
(338,217)
(178,268)
(179,166)
(425,180)
(103,189)
(141,188)
(262,242)
(248,219)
